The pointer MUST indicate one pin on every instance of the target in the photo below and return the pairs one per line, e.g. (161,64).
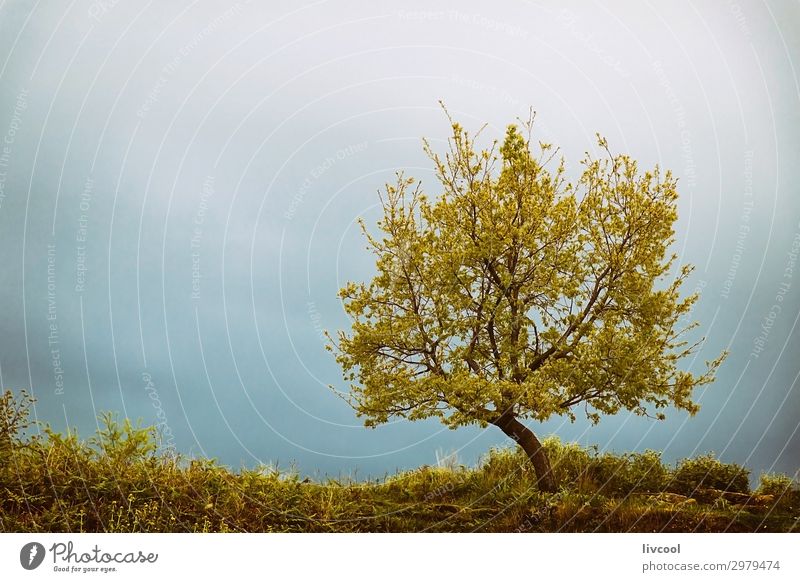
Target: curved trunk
(512,427)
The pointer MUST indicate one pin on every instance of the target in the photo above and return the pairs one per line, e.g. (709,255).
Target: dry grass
(118,481)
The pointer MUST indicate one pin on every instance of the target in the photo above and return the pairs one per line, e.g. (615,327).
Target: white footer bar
(440,557)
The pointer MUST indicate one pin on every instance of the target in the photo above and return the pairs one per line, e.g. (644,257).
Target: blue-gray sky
(180,181)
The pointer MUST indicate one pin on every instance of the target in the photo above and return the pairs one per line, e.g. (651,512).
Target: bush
(646,472)
(570,465)
(14,413)
(586,471)
(708,472)
(631,473)
(777,485)
(782,488)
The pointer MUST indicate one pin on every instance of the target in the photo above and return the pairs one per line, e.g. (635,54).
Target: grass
(119,481)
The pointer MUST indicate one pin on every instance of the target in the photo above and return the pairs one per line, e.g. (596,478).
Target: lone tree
(516,295)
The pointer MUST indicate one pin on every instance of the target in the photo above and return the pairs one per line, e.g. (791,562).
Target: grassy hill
(118,481)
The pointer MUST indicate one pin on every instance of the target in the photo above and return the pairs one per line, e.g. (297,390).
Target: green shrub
(708,472)
(630,473)
(772,484)
(782,487)
(587,471)
(505,461)
(570,465)
(646,472)
(14,418)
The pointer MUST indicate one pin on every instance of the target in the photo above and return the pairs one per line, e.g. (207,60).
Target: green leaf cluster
(513,291)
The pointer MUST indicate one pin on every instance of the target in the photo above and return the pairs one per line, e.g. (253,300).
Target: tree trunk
(512,427)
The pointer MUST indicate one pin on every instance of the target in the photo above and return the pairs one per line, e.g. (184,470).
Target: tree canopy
(516,294)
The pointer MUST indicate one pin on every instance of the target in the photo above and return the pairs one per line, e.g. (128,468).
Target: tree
(516,295)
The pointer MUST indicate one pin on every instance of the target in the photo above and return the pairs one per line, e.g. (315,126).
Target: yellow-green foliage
(587,470)
(117,481)
(783,489)
(511,292)
(705,472)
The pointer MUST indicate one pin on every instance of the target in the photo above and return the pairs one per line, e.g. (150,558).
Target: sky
(180,184)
